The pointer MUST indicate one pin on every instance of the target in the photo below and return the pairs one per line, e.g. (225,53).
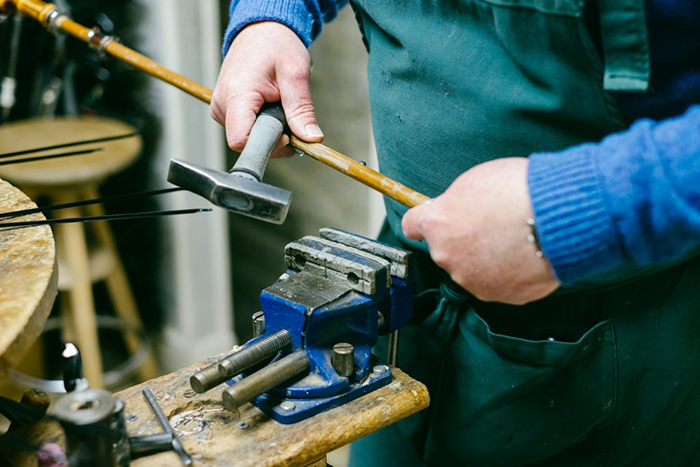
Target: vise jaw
(339,292)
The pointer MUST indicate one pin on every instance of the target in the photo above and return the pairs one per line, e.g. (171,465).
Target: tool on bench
(48,16)
(319,322)
(241,190)
(175,443)
(94,423)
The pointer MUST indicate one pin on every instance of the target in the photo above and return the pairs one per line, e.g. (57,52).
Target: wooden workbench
(213,437)
(28,277)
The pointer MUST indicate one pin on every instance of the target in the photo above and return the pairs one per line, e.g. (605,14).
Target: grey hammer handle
(266,131)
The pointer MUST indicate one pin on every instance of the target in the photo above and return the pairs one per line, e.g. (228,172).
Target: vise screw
(319,321)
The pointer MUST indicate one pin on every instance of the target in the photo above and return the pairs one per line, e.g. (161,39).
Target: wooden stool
(77,178)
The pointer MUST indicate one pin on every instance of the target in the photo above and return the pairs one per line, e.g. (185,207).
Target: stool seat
(64,171)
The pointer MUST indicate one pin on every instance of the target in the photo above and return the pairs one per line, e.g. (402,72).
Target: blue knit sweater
(632,199)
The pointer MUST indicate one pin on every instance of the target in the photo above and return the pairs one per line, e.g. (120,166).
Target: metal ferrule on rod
(52,21)
(99,41)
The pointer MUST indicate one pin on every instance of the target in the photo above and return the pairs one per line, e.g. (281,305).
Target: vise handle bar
(48,16)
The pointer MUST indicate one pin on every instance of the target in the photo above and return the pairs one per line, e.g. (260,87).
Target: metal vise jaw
(321,319)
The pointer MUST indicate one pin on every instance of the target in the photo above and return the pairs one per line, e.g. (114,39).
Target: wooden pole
(42,11)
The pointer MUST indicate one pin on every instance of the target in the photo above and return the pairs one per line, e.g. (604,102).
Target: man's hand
(267,62)
(477,231)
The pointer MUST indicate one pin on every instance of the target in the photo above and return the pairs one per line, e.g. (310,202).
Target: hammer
(241,189)
(51,18)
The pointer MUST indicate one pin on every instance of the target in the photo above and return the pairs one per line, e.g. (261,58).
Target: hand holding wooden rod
(48,16)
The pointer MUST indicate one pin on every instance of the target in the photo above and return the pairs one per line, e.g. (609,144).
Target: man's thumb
(299,110)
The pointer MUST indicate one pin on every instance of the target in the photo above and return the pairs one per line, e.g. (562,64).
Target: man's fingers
(298,107)
(282,148)
(412,223)
(241,112)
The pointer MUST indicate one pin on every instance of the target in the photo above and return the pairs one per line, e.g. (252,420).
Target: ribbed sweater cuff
(573,224)
(292,13)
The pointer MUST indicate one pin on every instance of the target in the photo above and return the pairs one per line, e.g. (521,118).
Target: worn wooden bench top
(28,276)
(212,436)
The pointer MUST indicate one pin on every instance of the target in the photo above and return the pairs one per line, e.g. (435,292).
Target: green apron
(606,373)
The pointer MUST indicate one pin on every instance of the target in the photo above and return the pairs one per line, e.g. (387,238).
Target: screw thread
(254,353)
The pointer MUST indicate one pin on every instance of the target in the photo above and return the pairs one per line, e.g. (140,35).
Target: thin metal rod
(162,419)
(67,145)
(393,353)
(87,202)
(165,423)
(106,217)
(52,156)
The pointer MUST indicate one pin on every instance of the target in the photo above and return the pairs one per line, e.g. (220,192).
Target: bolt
(258,323)
(379,370)
(287,406)
(343,359)
(254,353)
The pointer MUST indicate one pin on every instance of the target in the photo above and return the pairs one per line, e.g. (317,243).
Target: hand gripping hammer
(241,189)
(240,197)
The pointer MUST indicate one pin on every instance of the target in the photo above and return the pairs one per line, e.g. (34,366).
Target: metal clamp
(99,41)
(53,22)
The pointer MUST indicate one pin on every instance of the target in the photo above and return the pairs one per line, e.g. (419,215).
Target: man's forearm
(633,199)
(304,17)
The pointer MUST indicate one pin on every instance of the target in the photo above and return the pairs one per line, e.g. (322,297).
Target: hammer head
(233,191)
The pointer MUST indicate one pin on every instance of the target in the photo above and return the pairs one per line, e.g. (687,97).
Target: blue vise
(318,325)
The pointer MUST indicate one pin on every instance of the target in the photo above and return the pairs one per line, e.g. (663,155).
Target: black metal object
(150,444)
(51,156)
(73,368)
(87,202)
(67,145)
(175,442)
(93,421)
(106,217)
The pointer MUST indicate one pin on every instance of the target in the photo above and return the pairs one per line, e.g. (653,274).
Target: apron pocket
(505,400)
(573,8)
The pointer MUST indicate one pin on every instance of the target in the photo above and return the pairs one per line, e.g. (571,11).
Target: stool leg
(82,305)
(118,287)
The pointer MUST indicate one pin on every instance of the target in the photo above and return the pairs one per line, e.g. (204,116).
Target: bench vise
(319,321)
